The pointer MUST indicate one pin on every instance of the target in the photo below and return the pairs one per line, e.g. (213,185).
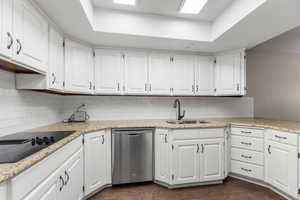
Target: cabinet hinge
(83,140)
(83,188)
(172,147)
(172,176)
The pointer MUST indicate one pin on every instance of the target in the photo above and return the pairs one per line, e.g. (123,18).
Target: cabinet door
(204,76)
(162,172)
(228,74)
(97,160)
(136,73)
(78,67)
(185,162)
(31,36)
(73,176)
(6,37)
(108,72)
(212,160)
(50,189)
(160,74)
(281,167)
(182,75)
(56,60)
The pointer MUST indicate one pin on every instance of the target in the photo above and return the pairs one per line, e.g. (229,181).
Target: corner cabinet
(6,34)
(281,156)
(97,157)
(31,36)
(230,74)
(189,156)
(79,68)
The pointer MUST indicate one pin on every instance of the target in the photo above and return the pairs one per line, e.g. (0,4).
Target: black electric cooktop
(17,146)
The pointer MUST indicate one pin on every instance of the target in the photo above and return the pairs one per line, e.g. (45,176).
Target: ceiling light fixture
(125,2)
(192,6)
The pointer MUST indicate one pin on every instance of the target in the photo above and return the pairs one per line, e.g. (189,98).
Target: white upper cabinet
(108,72)
(31,36)
(281,167)
(229,74)
(182,75)
(204,76)
(135,73)
(160,72)
(79,68)
(185,162)
(97,151)
(212,160)
(55,74)
(6,34)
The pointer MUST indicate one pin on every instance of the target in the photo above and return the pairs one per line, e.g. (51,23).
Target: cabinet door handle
(166,139)
(20,47)
(54,78)
(197,88)
(238,87)
(193,88)
(145,87)
(150,87)
(197,148)
(280,137)
(62,183)
(11,40)
(118,86)
(67,178)
(103,140)
(269,149)
(91,86)
(202,148)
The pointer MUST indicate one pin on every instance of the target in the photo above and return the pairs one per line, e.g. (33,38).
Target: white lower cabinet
(97,157)
(185,162)
(162,159)
(212,160)
(281,167)
(189,156)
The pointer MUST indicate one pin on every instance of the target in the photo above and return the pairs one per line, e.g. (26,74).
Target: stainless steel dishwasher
(132,155)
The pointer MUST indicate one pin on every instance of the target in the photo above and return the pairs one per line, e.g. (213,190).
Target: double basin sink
(183,122)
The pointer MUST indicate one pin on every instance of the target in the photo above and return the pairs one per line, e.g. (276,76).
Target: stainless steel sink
(188,122)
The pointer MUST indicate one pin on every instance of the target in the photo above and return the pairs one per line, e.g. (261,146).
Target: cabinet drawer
(255,144)
(282,137)
(251,132)
(247,156)
(247,169)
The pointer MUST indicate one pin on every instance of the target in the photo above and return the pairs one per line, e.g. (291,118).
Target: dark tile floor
(232,189)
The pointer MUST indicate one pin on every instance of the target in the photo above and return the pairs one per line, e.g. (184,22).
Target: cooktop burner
(17,146)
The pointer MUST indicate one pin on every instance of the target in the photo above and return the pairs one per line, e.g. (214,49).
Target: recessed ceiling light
(125,2)
(192,6)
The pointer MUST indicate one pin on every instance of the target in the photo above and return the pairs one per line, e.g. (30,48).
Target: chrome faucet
(177,105)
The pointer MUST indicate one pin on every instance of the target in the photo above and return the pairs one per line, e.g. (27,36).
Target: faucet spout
(178,106)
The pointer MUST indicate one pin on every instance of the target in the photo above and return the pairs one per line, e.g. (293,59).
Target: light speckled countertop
(10,170)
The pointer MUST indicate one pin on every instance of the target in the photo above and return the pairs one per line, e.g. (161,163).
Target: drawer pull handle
(62,183)
(247,132)
(246,170)
(197,148)
(246,143)
(247,157)
(279,137)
